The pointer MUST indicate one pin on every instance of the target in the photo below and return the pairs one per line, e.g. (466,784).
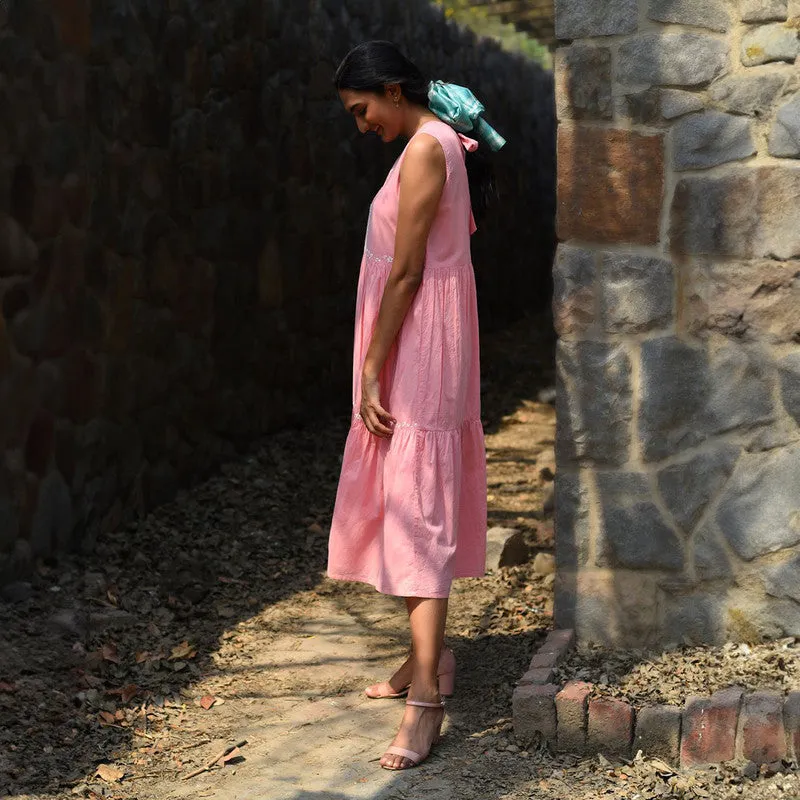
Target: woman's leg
(428,617)
(404,675)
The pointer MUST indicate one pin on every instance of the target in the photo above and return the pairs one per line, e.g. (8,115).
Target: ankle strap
(425,705)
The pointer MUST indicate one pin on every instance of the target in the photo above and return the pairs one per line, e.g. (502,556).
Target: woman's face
(375,112)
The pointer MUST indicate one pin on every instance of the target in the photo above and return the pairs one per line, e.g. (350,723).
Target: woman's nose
(362,125)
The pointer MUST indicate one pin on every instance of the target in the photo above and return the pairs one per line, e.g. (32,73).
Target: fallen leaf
(109,652)
(7,688)
(207,701)
(109,774)
(106,718)
(126,693)
(183,650)
(143,656)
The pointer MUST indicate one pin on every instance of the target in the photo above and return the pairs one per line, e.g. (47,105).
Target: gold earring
(397,102)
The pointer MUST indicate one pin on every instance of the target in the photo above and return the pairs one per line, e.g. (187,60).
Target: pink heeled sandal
(446,674)
(410,755)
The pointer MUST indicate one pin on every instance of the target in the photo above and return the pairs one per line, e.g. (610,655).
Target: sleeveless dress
(410,511)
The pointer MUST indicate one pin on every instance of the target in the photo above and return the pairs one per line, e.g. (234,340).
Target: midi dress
(410,510)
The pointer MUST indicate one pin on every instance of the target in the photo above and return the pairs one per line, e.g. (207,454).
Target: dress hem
(380,587)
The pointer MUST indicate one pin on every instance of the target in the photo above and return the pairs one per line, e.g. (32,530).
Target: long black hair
(370,66)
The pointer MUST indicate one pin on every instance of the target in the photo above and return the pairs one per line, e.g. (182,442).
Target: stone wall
(182,209)
(677,304)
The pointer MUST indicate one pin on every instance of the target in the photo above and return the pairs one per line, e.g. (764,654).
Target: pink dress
(410,512)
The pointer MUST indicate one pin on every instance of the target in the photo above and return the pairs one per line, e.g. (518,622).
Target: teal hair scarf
(458,107)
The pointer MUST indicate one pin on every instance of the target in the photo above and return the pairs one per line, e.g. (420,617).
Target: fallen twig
(210,764)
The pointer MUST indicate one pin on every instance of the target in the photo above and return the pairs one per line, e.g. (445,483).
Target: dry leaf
(109,773)
(7,688)
(126,693)
(143,656)
(106,718)
(207,701)
(183,650)
(109,652)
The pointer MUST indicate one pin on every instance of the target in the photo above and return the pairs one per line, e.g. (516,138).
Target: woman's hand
(375,417)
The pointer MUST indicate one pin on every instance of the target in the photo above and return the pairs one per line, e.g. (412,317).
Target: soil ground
(210,623)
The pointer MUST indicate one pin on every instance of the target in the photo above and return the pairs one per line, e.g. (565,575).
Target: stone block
(611,184)
(593,402)
(641,107)
(709,728)
(534,711)
(713,14)
(505,547)
(583,82)
(572,533)
(675,382)
(544,564)
(18,254)
(658,733)
(748,301)
(578,18)
(751,93)
(574,307)
(783,580)
(51,530)
(741,389)
(711,559)
(40,444)
(676,103)
(691,618)
(766,43)
(74,18)
(763,734)
(636,292)
(610,727)
(791,723)
(784,137)
(634,533)
(9,520)
(747,212)
(572,705)
(671,59)
(789,369)
(759,511)
(611,608)
(764,10)
(710,138)
(687,486)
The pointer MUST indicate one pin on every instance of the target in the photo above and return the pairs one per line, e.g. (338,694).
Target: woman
(410,512)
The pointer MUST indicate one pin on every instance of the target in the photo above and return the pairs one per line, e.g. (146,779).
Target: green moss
(484,24)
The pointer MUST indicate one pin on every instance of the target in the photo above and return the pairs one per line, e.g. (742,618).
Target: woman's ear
(393,92)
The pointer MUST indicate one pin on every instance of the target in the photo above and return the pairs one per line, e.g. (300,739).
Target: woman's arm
(422,178)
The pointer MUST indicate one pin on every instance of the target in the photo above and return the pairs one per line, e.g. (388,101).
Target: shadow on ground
(94,652)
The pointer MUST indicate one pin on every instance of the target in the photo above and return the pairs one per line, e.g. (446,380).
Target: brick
(534,711)
(791,723)
(548,659)
(709,728)
(563,639)
(611,184)
(572,704)
(610,728)
(763,734)
(658,733)
(537,675)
